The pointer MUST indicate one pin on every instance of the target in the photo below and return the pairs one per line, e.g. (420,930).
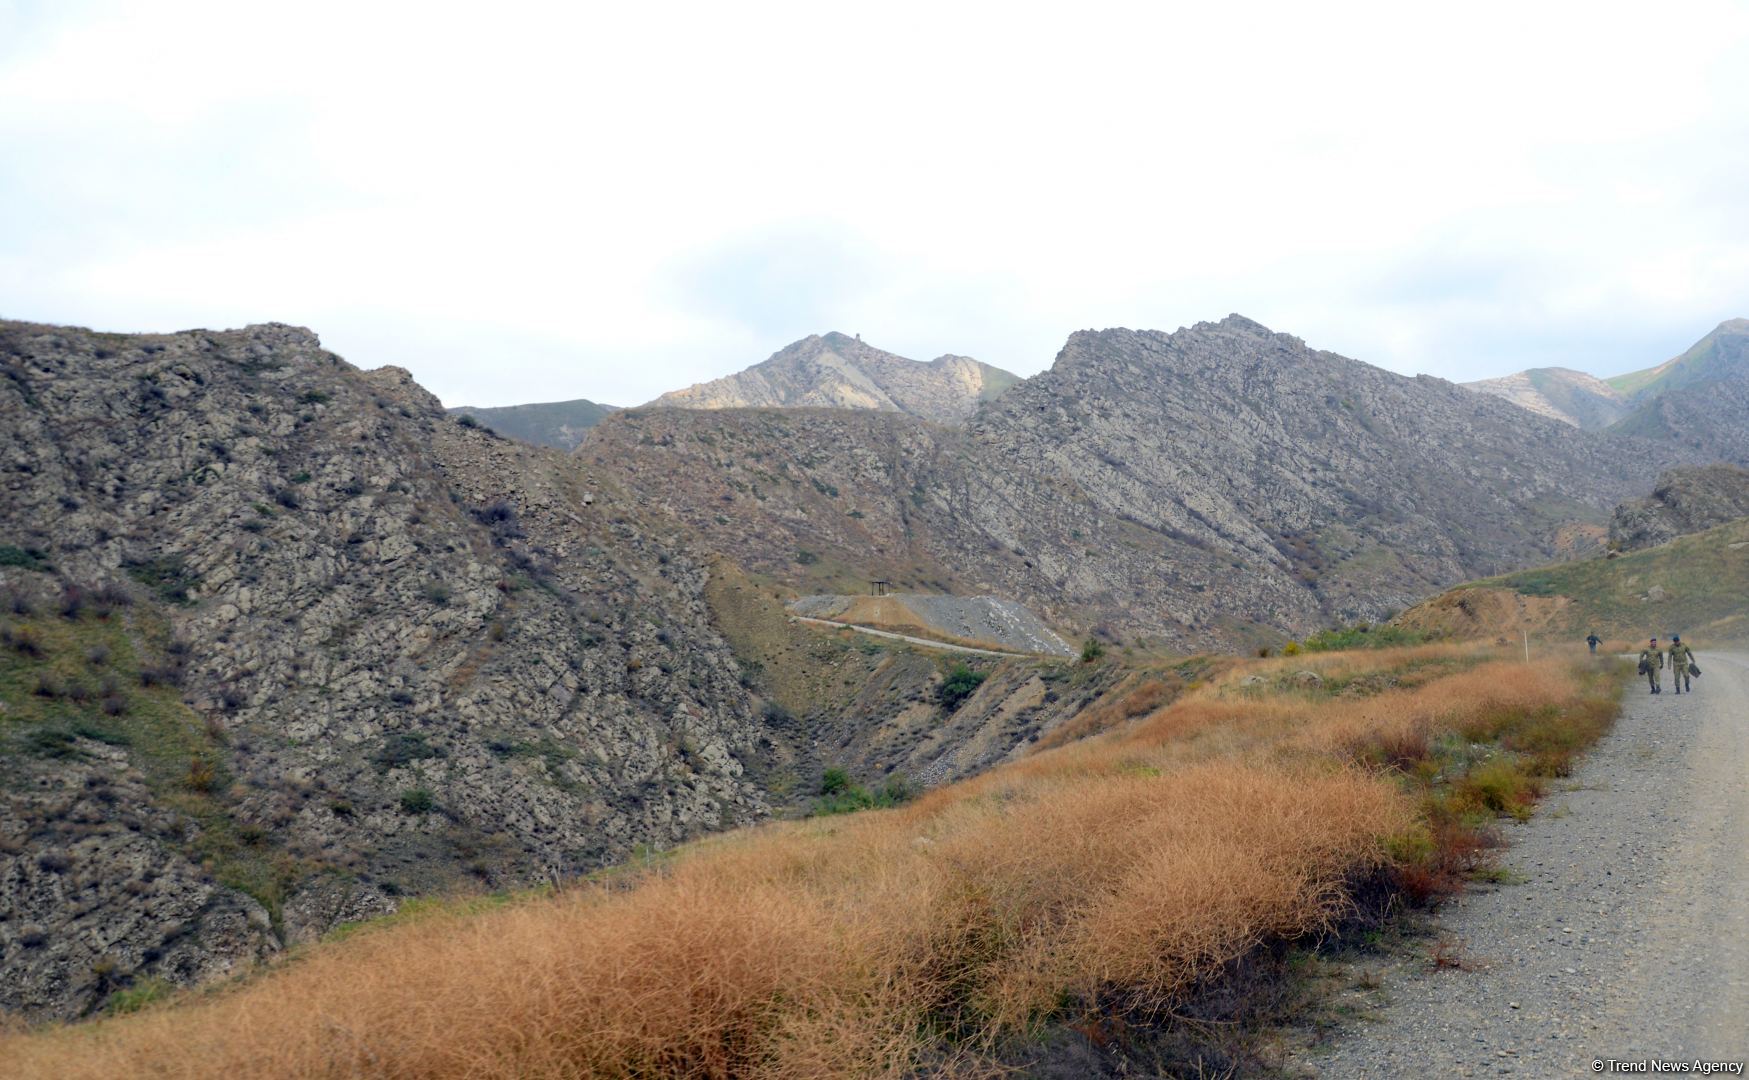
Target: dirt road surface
(872,632)
(1622,934)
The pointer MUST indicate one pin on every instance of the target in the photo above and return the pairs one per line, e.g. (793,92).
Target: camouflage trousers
(1652,678)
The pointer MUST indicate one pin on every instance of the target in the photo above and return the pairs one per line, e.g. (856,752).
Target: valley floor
(1622,932)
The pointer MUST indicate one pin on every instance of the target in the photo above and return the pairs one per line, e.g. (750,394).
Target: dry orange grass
(1121,869)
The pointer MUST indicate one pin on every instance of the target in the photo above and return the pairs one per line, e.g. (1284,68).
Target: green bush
(138,996)
(404,749)
(1091,650)
(1363,636)
(166,575)
(418,800)
(846,797)
(960,684)
(24,558)
(834,781)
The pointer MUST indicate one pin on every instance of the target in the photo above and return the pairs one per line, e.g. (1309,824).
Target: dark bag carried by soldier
(1693,668)
(1645,666)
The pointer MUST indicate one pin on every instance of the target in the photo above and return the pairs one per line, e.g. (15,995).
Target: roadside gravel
(1624,933)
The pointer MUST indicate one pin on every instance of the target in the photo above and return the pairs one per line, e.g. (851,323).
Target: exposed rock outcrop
(413,655)
(1686,500)
(281,644)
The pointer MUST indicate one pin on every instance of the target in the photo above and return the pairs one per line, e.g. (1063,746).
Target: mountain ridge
(558,424)
(1636,399)
(840,371)
(1221,485)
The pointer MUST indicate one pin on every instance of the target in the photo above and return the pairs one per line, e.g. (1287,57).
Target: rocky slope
(838,371)
(419,655)
(1707,422)
(1686,500)
(1223,485)
(559,424)
(1698,400)
(282,644)
(1572,397)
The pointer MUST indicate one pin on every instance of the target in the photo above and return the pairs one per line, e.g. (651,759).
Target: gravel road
(1625,933)
(930,642)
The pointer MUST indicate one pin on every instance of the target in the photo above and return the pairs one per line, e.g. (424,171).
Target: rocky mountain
(560,424)
(1687,500)
(1708,421)
(1699,399)
(838,371)
(1721,354)
(1571,397)
(282,644)
(1223,485)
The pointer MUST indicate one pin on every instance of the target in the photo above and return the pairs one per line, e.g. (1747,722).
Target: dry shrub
(1106,712)
(1110,877)
(1145,698)
(803,950)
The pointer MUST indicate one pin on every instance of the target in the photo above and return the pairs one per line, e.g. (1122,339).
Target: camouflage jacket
(1681,656)
(1652,659)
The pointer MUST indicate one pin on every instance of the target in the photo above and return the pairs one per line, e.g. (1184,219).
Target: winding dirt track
(833,623)
(1625,935)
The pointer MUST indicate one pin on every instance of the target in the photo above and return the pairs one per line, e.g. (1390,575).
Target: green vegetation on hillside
(1364,636)
(100,669)
(1719,354)
(1635,381)
(1695,585)
(997,381)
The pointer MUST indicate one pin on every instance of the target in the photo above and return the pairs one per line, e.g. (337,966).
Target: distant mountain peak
(1236,321)
(1572,397)
(1587,401)
(559,424)
(838,370)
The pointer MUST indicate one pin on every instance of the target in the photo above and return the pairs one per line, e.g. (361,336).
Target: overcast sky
(537,202)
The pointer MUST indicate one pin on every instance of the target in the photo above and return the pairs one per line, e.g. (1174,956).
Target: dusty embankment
(1623,931)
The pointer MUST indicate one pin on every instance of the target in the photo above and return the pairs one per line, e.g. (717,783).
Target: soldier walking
(1594,641)
(1652,662)
(1681,656)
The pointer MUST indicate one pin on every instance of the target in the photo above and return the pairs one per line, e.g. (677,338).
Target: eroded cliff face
(409,652)
(1220,486)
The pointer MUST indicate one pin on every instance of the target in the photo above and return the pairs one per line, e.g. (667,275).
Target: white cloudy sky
(534,202)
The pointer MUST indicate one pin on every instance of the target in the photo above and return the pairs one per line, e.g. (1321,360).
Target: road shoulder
(1620,928)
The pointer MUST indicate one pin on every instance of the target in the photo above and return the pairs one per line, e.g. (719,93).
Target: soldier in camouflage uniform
(1680,657)
(1652,662)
